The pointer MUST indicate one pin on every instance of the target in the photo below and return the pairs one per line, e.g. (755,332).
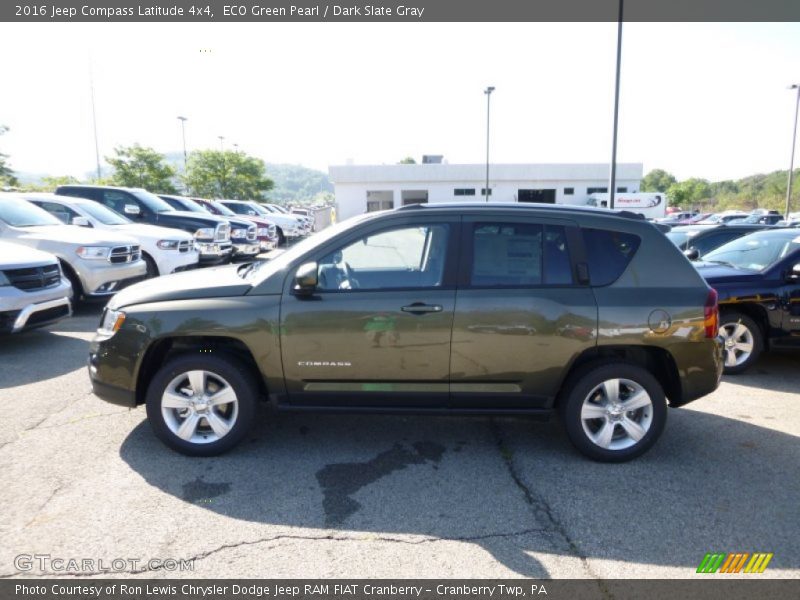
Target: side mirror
(305,279)
(81,222)
(132,209)
(794,273)
(251,213)
(692,253)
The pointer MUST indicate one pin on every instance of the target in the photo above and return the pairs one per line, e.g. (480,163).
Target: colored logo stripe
(758,563)
(734,561)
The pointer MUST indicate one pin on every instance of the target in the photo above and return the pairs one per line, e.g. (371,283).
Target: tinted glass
(106,216)
(756,251)
(410,257)
(708,243)
(152,201)
(557,263)
(608,253)
(59,211)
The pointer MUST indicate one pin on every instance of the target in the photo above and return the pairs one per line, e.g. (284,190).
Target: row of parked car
(87,242)
(756,217)
(754,264)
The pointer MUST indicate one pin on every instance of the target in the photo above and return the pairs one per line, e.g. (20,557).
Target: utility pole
(94,120)
(183,133)
(612,186)
(795,86)
(488,91)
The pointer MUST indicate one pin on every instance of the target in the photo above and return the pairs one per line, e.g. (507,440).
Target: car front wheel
(613,412)
(201,405)
(742,341)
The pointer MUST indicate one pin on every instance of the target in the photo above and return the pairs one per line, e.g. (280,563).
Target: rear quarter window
(608,253)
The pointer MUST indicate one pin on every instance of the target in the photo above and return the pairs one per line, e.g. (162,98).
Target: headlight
(112,321)
(168,244)
(93,252)
(3,279)
(239,233)
(204,233)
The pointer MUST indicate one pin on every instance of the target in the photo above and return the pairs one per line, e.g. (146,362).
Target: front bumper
(106,279)
(246,250)
(35,314)
(172,261)
(212,253)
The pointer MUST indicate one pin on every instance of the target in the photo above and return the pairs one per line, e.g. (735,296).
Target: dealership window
(597,190)
(464,191)
(622,190)
(569,191)
(376,205)
(483,191)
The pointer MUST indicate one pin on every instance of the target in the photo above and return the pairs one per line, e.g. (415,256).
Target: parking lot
(332,496)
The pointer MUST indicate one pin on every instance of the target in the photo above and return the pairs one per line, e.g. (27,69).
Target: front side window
(408,257)
(59,211)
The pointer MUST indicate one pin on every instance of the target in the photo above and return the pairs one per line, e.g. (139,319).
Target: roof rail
(523,206)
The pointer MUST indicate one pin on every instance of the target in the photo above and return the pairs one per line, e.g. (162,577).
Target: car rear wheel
(201,405)
(281,237)
(742,340)
(613,412)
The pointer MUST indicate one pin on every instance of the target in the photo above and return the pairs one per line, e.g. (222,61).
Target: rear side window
(608,253)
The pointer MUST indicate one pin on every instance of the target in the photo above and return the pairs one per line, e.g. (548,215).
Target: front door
(377,330)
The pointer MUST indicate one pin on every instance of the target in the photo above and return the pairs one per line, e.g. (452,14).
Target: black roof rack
(523,206)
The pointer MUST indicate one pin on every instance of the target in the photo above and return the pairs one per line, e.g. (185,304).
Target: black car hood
(182,218)
(218,282)
(717,273)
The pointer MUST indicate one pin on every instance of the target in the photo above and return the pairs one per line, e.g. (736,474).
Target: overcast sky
(706,100)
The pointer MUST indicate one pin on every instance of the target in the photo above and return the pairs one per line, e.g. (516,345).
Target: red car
(266,233)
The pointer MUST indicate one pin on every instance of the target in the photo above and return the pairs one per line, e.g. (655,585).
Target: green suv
(442,309)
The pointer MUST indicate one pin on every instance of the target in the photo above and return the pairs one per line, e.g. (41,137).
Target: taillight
(711,314)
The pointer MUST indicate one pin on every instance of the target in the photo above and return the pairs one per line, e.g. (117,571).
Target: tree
(226,174)
(689,192)
(657,180)
(408,160)
(6,174)
(135,166)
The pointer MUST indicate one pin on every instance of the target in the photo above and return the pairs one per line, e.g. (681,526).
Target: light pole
(222,174)
(183,134)
(221,140)
(795,86)
(612,184)
(488,91)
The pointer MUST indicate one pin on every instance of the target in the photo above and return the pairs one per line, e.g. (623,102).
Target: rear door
(521,314)
(377,330)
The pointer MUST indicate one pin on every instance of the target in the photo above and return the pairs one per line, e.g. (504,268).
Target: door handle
(421,308)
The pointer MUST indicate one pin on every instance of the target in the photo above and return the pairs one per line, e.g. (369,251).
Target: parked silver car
(33,290)
(97,263)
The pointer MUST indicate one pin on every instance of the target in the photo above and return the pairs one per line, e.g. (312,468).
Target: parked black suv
(491,309)
(758,281)
(211,234)
(698,240)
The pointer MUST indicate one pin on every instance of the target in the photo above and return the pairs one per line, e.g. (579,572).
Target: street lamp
(612,184)
(183,134)
(221,140)
(488,91)
(795,86)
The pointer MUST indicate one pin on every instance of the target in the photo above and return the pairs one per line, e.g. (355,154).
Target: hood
(73,235)
(218,282)
(238,222)
(16,256)
(142,230)
(184,218)
(282,219)
(259,220)
(717,273)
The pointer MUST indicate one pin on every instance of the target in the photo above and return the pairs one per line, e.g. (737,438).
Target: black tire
(152,268)
(239,378)
(77,288)
(281,237)
(736,322)
(582,386)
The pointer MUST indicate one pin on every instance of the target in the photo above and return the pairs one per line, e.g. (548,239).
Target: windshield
(20,213)
(278,208)
(259,208)
(755,252)
(191,206)
(679,238)
(104,215)
(152,201)
(221,208)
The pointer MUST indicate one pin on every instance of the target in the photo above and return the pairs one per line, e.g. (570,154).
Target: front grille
(184,246)
(223,233)
(124,254)
(251,233)
(34,278)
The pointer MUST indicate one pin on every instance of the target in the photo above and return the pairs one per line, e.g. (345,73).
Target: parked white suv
(97,263)
(164,250)
(33,291)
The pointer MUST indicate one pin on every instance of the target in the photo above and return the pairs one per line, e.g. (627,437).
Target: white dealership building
(365,188)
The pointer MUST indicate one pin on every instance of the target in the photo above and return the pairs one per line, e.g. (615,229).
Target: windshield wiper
(722,262)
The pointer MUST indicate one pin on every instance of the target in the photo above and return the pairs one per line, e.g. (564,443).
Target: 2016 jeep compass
(481,309)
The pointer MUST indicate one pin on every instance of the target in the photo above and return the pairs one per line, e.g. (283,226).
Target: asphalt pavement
(386,496)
